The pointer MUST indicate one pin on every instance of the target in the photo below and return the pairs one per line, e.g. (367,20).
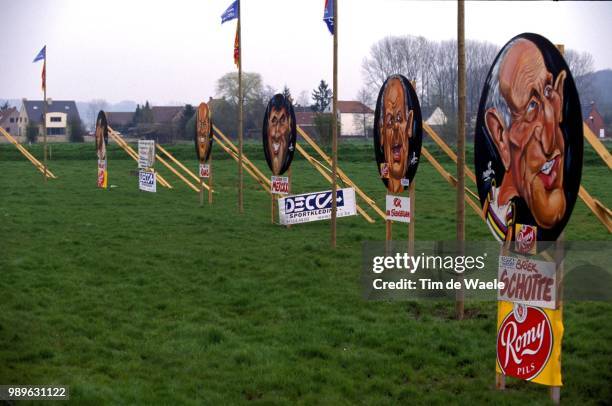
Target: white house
(356,119)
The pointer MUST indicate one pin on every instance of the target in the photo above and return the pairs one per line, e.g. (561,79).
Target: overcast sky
(174,51)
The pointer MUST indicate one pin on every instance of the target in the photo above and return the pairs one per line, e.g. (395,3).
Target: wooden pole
(210,179)
(411,192)
(240,115)
(335,130)
(459,304)
(45,117)
(202,192)
(289,189)
(555,391)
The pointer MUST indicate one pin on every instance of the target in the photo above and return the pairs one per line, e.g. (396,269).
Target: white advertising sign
(280,185)
(527,281)
(146,153)
(315,206)
(204,170)
(398,208)
(147,180)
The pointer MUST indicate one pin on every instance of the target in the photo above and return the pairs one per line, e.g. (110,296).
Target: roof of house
(5,114)
(352,106)
(165,114)
(305,118)
(119,118)
(34,109)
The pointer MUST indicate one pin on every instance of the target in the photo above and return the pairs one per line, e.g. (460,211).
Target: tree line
(433,65)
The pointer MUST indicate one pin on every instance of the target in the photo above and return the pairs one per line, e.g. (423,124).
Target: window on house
(12,120)
(56,119)
(35,107)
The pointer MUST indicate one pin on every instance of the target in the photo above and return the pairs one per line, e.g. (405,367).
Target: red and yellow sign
(529,343)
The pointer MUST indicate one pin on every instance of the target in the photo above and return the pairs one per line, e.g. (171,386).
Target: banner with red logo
(204,170)
(398,208)
(102,174)
(280,185)
(529,343)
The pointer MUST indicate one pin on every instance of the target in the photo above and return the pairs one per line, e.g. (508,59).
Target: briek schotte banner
(328,15)
(315,206)
(529,343)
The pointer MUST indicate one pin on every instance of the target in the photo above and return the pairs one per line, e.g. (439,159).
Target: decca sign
(524,342)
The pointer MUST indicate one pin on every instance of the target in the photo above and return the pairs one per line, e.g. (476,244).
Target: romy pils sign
(528,142)
(529,343)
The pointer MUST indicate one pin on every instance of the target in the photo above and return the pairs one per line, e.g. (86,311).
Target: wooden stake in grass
(335,131)
(459,304)
(240,115)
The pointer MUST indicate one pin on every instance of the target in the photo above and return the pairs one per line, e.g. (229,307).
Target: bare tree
(95,106)
(303,99)
(581,65)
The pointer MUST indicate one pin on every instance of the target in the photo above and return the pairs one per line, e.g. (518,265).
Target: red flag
(44,76)
(237,48)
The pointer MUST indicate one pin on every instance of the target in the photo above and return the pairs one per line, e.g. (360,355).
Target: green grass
(130,297)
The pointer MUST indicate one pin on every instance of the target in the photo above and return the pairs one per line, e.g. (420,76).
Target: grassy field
(130,297)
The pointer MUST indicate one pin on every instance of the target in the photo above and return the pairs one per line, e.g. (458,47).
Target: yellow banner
(529,343)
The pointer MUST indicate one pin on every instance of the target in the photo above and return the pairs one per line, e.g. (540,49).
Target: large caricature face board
(101,135)
(279,134)
(528,142)
(203,134)
(398,131)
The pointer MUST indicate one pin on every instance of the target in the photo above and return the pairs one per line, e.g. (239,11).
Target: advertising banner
(279,132)
(398,132)
(204,170)
(529,343)
(147,180)
(315,206)
(528,142)
(398,208)
(101,143)
(280,185)
(146,154)
(528,281)
(102,175)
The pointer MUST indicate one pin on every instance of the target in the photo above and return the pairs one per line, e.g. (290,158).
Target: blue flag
(328,15)
(41,55)
(231,12)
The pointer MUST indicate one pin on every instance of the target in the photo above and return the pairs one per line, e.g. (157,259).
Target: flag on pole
(328,15)
(237,47)
(42,55)
(231,13)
